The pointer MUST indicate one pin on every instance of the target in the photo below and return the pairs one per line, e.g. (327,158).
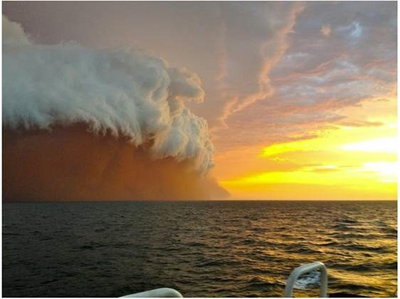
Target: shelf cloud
(65,98)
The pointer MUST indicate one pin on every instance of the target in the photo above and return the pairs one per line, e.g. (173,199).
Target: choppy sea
(202,249)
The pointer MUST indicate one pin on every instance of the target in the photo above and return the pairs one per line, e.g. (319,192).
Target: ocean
(202,249)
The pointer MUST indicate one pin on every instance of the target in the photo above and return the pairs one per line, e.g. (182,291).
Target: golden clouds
(347,162)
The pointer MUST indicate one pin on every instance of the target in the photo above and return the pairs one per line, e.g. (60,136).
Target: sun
(385,145)
(387,171)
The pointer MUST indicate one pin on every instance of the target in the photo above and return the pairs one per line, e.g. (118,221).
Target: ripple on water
(231,249)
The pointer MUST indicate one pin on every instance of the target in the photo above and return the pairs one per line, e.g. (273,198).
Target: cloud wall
(56,96)
(123,91)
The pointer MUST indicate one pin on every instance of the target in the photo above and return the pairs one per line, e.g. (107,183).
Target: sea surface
(202,249)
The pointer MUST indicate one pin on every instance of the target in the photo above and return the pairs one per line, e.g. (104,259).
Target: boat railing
(304,269)
(156,293)
(296,273)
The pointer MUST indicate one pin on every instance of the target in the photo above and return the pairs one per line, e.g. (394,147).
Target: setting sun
(385,145)
(340,163)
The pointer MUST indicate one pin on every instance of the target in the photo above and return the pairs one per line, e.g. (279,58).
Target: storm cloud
(57,96)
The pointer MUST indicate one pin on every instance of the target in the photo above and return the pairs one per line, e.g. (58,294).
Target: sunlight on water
(213,249)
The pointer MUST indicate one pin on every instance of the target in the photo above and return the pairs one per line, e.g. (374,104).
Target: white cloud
(121,91)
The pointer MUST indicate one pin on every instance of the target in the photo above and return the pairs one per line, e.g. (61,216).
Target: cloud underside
(73,164)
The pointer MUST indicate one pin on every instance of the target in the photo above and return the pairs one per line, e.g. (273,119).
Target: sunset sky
(300,97)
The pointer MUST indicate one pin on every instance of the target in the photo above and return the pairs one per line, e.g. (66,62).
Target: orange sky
(299,97)
(342,163)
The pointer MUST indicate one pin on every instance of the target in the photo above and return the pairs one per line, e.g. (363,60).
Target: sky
(299,97)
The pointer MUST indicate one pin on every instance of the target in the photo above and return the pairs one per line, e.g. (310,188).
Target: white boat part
(304,269)
(296,273)
(156,293)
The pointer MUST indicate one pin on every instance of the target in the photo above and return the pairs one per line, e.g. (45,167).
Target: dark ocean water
(213,249)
